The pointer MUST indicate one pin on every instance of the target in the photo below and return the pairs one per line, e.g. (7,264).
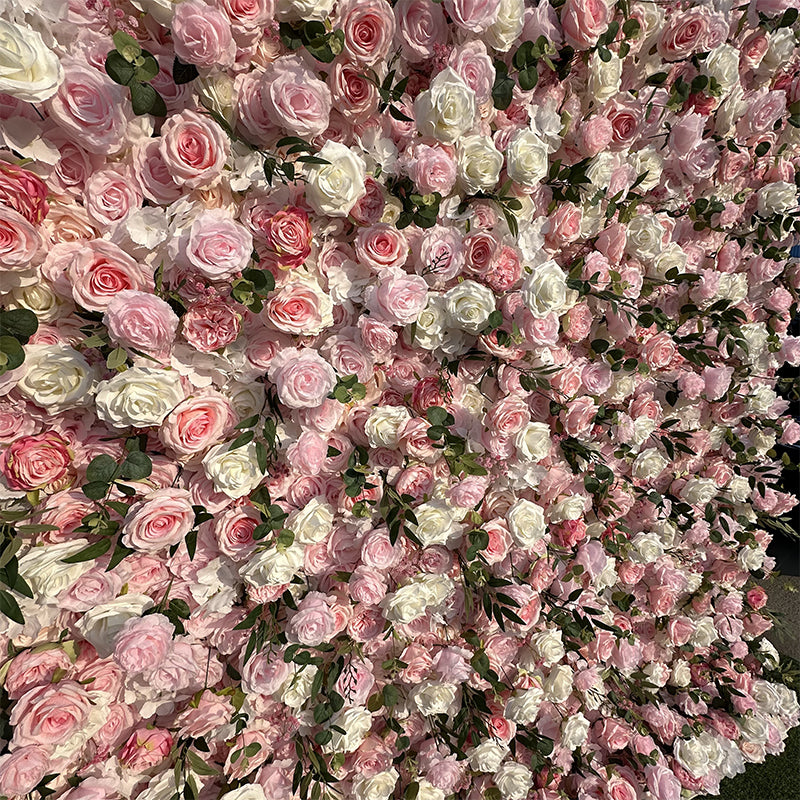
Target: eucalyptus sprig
(129,65)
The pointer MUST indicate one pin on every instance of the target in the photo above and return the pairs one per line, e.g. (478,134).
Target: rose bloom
(161,519)
(19,240)
(288,234)
(472,15)
(143,642)
(142,321)
(36,462)
(211,325)
(202,35)
(421,26)
(145,749)
(110,195)
(197,423)
(303,378)
(583,22)
(300,308)
(398,298)
(355,97)
(50,715)
(22,770)
(23,191)
(233,530)
(194,149)
(381,247)
(368,30)
(217,246)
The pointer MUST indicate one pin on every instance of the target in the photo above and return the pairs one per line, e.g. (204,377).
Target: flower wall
(387,396)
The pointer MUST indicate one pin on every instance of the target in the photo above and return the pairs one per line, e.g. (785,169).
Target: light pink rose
(302,377)
(421,26)
(368,29)
(217,246)
(684,33)
(89,108)
(346,355)
(20,242)
(153,173)
(594,135)
(141,321)
(35,462)
(313,623)
(110,195)
(91,589)
(145,748)
(248,15)
(197,423)
(471,61)
(211,325)
(431,167)
(294,98)
(398,298)
(143,642)
(296,308)
(161,519)
(22,770)
(288,234)
(194,149)
(583,21)
(49,715)
(662,782)
(381,246)
(202,35)
(30,669)
(472,15)
(354,96)
(23,191)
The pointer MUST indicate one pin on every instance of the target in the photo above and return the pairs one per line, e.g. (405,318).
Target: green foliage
(16,328)
(129,65)
(318,38)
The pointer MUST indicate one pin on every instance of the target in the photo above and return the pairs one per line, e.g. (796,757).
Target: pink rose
(91,589)
(313,623)
(233,530)
(145,748)
(23,191)
(431,167)
(594,135)
(381,246)
(398,298)
(421,26)
(368,30)
(197,423)
(141,321)
(143,642)
(153,173)
(89,108)
(439,255)
(22,770)
(288,234)
(369,208)
(471,61)
(659,351)
(302,377)
(264,673)
(294,98)
(110,195)
(161,519)
(583,21)
(30,669)
(202,35)
(194,149)
(366,585)
(684,33)
(248,15)
(19,240)
(354,96)
(662,782)
(297,308)
(579,415)
(217,246)
(49,715)
(472,15)
(211,325)
(100,270)
(35,462)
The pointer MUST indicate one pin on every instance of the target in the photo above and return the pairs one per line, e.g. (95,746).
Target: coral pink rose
(194,149)
(35,462)
(197,423)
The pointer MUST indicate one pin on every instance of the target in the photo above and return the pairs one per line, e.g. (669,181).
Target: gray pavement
(784,601)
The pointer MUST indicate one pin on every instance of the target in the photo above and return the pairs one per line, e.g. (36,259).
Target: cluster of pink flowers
(387,396)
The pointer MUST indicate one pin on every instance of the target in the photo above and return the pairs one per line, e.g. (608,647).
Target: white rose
(526,158)
(56,377)
(513,780)
(548,646)
(533,442)
(761,399)
(468,305)
(39,298)
(334,188)
(568,508)
(385,424)
(657,673)
(754,729)
(139,397)
(487,756)
(434,697)
(431,323)
(523,706)
(772,657)
(526,523)
(647,548)
(574,731)
(296,689)
(671,257)
(375,787)
(101,624)
(644,237)
(161,11)
(233,472)
(312,523)
(691,755)
(751,558)
(250,791)
(704,633)
(777,198)
(479,164)
(604,77)
(558,684)
(427,791)
(405,605)
(681,674)
(545,291)
(699,491)
(435,524)
(303,9)
(649,464)
(446,111)
(739,487)
(505,30)
(274,567)
(45,572)
(648,160)
(601,168)
(434,588)
(29,70)
(356,723)
(722,64)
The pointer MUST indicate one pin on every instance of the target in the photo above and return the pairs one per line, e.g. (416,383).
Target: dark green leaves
(252,288)
(16,327)
(323,44)
(503,89)
(10,607)
(348,389)
(183,73)
(129,65)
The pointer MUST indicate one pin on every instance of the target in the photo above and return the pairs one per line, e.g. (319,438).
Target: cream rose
(233,472)
(545,291)
(56,377)
(29,70)
(446,111)
(274,567)
(533,442)
(527,159)
(334,188)
(384,425)
(526,523)
(479,164)
(468,305)
(139,397)
(513,780)
(312,523)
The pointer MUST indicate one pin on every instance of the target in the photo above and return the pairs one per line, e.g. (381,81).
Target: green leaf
(11,353)
(528,78)
(120,552)
(182,72)
(148,69)
(89,553)
(119,69)
(137,466)
(242,440)
(10,607)
(96,490)
(101,469)
(503,88)
(126,45)
(146,100)
(198,764)
(19,323)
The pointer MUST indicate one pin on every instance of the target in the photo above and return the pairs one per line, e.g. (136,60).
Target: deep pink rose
(35,462)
